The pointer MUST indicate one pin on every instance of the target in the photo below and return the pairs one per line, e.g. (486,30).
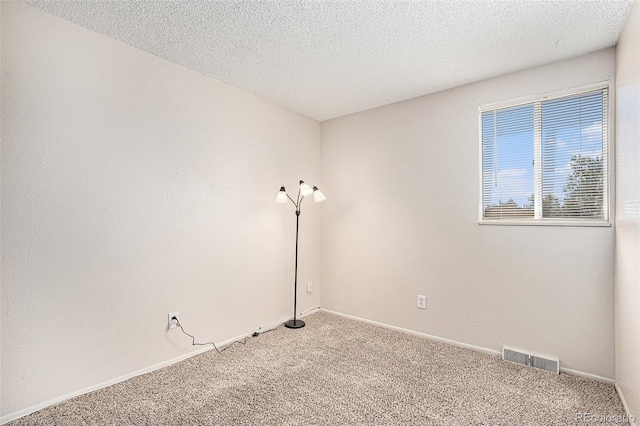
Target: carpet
(338,371)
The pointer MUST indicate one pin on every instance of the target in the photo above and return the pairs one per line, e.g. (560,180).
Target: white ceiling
(326,59)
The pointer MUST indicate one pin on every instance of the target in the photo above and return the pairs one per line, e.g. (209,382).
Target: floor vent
(515,356)
(548,364)
(536,361)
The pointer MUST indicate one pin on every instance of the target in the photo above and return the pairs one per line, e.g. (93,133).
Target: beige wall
(133,187)
(627,264)
(404,181)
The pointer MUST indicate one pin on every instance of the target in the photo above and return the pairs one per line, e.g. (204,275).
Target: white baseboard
(588,376)
(416,333)
(465,345)
(625,406)
(24,412)
(308,312)
(12,416)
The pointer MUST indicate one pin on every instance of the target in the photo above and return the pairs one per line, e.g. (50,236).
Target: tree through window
(546,160)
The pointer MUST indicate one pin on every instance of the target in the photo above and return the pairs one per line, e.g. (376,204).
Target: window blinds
(546,160)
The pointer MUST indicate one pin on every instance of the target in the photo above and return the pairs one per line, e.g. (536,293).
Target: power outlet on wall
(422,302)
(309,286)
(174,319)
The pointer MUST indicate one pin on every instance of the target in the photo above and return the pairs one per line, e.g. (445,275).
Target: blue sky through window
(508,155)
(570,127)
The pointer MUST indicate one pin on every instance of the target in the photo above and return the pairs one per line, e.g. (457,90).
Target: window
(545,161)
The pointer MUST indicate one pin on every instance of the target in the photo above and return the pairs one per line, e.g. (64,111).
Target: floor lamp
(303,191)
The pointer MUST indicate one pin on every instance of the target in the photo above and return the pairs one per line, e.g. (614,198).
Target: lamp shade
(281,198)
(305,189)
(318,196)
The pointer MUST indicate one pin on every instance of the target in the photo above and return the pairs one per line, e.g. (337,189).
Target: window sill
(547,222)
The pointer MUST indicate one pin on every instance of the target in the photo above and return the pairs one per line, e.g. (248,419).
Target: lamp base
(294,323)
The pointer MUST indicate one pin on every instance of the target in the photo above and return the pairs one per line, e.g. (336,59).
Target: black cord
(242,342)
(256,334)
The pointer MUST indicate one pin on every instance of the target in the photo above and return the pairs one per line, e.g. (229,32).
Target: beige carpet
(337,371)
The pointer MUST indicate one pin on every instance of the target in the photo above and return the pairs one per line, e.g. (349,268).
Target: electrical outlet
(309,286)
(174,319)
(422,302)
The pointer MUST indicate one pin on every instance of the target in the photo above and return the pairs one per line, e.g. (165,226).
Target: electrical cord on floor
(256,334)
(242,342)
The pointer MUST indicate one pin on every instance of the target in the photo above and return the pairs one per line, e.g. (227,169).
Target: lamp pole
(295,323)
(318,196)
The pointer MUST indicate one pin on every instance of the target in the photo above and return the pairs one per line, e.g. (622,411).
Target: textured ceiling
(326,59)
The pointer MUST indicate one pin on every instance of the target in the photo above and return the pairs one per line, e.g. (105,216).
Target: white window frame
(607,147)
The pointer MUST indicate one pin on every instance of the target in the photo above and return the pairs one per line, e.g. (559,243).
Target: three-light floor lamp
(303,191)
